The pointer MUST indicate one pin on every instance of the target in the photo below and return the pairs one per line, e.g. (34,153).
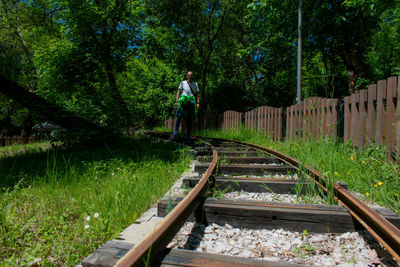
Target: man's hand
(198,105)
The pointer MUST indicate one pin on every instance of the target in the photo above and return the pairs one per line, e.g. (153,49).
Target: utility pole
(299,54)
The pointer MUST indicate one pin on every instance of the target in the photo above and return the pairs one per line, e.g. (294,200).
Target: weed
(361,170)
(217,193)
(65,203)
(170,205)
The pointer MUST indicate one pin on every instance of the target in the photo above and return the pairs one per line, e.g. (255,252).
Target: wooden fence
(266,120)
(231,119)
(369,115)
(312,118)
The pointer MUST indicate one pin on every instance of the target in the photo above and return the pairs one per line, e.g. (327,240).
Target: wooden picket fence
(231,119)
(266,120)
(312,118)
(369,115)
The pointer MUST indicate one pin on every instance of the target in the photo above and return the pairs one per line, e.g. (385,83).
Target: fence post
(398,117)
(390,111)
(280,124)
(380,113)
(371,113)
(340,118)
(363,117)
(354,133)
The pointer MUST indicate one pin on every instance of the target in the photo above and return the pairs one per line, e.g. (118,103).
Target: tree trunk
(44,108)
(122,105)
(27,128)
(355,67)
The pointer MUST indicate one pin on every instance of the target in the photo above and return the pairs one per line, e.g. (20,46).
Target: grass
(18,149)
(59,206)
(366,171)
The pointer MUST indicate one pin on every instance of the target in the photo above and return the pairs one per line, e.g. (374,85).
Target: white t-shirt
(185,89)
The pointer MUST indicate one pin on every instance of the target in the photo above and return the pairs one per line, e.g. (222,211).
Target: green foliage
(59,206)
(118,63)
(150,86)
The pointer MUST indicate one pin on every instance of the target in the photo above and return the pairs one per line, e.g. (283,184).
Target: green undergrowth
(366,172)
(15,149)
(59,206)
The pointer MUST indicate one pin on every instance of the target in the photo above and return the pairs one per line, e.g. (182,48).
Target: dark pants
(189,110)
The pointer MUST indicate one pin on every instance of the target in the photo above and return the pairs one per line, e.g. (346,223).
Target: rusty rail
(154,243)
(384,231)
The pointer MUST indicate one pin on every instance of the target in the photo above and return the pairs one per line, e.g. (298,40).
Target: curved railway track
(243,158)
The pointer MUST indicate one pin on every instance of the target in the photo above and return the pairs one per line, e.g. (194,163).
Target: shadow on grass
(34,166)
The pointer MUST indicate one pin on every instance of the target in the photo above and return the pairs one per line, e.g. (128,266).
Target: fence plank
(253,119)
(280,114)
(398,117)
(347,122)
(313,116)
(334,123)
(318,121)
(324,117)
(380,113)
(269,119)
(288,122)
(363,118)
(300,119)
(390,114)
(306,118)
(354,99)
(371,113)
(293,121)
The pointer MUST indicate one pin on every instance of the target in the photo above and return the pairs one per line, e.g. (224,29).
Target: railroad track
(228,167)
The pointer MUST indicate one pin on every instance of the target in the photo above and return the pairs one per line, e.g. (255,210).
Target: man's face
(189,76)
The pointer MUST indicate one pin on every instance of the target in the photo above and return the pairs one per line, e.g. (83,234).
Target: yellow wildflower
(380,183)
(375,185)
(396,194)
(362,161)
(352,158)
(367,194)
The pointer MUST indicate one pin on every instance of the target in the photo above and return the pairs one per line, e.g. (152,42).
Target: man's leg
(179,114)
(190,111)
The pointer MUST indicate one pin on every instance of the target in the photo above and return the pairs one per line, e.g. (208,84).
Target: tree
(345,29)
(44,108)
(202,28)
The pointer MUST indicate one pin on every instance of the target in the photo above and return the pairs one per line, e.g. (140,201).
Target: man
(187,101)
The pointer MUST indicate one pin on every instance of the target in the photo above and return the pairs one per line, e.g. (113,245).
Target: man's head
(189,76)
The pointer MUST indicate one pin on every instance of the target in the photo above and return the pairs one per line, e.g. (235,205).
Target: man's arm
(197,96)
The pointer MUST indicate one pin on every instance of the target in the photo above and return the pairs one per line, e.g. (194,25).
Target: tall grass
(366,171)
(59,206)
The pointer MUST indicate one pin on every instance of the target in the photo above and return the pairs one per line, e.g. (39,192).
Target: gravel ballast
(347,249)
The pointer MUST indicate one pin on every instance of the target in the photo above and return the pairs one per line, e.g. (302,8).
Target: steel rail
(384,231)
(157,241)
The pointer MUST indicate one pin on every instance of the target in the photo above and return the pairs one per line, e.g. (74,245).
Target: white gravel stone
(267,196)
(347,249)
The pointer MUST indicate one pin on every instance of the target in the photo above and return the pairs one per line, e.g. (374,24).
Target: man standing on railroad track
(187,101)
